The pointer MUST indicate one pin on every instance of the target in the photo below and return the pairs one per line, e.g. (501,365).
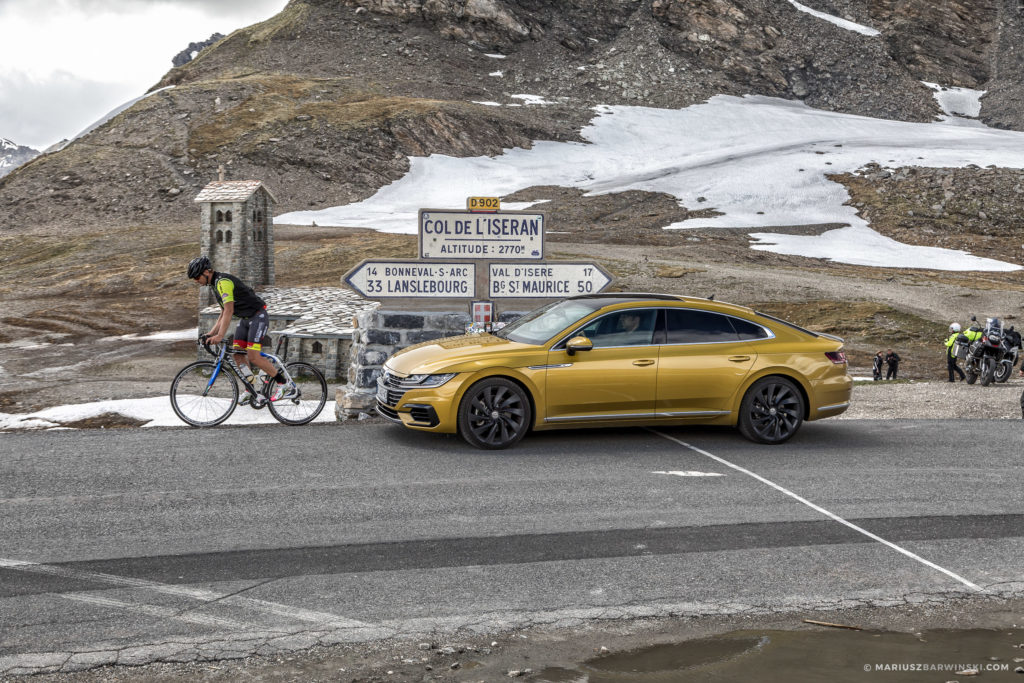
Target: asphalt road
(141,545)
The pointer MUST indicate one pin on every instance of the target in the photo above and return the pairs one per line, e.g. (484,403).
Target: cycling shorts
(250,332)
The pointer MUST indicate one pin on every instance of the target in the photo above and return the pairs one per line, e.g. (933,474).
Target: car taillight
(837,357)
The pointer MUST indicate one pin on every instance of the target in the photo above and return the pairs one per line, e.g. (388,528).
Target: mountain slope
(326,100)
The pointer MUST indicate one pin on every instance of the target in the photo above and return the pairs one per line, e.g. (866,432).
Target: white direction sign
(403,279)
(491,236)
(545,280)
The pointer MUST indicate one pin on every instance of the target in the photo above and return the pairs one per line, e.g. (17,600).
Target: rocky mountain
(13,155)
(327,100)
(193,50)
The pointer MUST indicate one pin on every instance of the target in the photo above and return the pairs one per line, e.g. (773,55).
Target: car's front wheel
(494,413)
(772,411)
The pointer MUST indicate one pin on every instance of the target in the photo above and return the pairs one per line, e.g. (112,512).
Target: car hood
(465,353)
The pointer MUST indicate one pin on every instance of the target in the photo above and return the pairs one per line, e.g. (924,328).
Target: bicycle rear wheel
(310,399)
(202,399)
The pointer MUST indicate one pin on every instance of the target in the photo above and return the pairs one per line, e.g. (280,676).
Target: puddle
(834,655)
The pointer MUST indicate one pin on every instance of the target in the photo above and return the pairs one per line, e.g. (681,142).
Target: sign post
(493,235)
(475,267)
(413,279)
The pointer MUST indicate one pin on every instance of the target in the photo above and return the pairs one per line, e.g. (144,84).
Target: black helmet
(198,266)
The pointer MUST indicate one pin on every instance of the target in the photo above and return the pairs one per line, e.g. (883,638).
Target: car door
(616,379)
(702,362)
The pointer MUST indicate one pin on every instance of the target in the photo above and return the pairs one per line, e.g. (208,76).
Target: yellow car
(615,360)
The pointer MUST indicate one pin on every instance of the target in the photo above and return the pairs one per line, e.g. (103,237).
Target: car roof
(612,298)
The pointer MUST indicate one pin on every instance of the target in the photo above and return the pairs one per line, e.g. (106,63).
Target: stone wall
(380,333)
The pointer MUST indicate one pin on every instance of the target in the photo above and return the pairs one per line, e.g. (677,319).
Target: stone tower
(237,231)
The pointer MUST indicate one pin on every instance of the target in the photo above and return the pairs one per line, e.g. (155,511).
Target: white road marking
(823,511)
(691,473)
(200,594)
(155,611)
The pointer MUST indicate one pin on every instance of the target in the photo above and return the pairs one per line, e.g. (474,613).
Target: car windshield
(540,325)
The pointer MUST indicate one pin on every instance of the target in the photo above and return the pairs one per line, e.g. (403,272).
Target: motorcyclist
(951,365)
(974,332)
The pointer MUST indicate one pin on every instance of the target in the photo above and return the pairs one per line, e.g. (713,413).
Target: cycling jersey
(229,288)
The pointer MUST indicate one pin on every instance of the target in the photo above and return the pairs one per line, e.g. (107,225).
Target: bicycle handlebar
(205,344)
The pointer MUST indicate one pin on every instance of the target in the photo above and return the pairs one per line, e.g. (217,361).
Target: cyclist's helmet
(198,266)
(955,327)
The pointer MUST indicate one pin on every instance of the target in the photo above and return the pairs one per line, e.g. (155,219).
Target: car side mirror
(580,343)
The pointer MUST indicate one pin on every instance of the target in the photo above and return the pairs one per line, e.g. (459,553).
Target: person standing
(951,364)
(892,359)
(876,371)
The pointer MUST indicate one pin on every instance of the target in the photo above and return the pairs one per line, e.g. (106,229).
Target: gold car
(620,359)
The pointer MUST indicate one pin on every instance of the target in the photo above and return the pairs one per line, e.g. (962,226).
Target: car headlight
(423,381)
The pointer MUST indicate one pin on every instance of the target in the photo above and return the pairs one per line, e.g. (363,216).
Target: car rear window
(748,330)
(690,326)
(787,323)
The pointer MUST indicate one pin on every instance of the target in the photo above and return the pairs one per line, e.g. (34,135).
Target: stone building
(237,231)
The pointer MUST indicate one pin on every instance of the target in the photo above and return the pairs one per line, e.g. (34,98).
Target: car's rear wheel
(495,413)
(772,411)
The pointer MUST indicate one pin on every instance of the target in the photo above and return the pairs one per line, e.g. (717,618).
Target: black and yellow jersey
(229,288)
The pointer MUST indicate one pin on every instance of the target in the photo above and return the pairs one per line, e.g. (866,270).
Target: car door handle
(738,359)
(643,362)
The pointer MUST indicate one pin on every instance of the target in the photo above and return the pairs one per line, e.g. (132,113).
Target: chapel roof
(231,191)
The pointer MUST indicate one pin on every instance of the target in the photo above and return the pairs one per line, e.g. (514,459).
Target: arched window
(227,237)
(227,216)
(318,347)
(220,216)
(220,236)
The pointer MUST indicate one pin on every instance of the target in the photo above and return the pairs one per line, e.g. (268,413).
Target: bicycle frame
(223,358)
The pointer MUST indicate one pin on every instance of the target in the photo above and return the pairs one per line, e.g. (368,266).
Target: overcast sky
(66,63)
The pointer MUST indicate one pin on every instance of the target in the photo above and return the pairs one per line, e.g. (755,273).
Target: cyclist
(235,298)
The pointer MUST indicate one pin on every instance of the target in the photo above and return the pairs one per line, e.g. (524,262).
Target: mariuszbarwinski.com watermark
(956,668)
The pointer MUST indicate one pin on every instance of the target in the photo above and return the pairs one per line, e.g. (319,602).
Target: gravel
(934,400)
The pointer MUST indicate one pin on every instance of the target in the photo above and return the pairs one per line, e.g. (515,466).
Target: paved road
(138,545)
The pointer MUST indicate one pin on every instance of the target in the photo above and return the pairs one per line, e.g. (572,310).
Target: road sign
(483,204)
(404,279)
(466,234)
(545,280)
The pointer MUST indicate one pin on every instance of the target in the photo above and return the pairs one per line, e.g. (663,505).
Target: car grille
(396,388)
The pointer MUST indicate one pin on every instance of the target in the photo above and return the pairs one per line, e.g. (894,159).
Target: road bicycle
(205,393)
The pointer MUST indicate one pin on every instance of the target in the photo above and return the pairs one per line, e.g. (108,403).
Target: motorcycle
(1011,347)
(985,354)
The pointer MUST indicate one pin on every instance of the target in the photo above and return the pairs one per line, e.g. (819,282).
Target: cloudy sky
(66,63)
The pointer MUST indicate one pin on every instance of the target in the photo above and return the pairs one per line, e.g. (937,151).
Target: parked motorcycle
(985,354)
(1011,347)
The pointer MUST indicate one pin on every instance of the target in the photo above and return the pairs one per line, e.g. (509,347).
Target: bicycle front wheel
(307,402)
(202,396)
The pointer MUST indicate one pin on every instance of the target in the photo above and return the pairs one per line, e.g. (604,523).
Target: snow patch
(957,101)
(156,411)
(760,161)
(832,19)
(532,99)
